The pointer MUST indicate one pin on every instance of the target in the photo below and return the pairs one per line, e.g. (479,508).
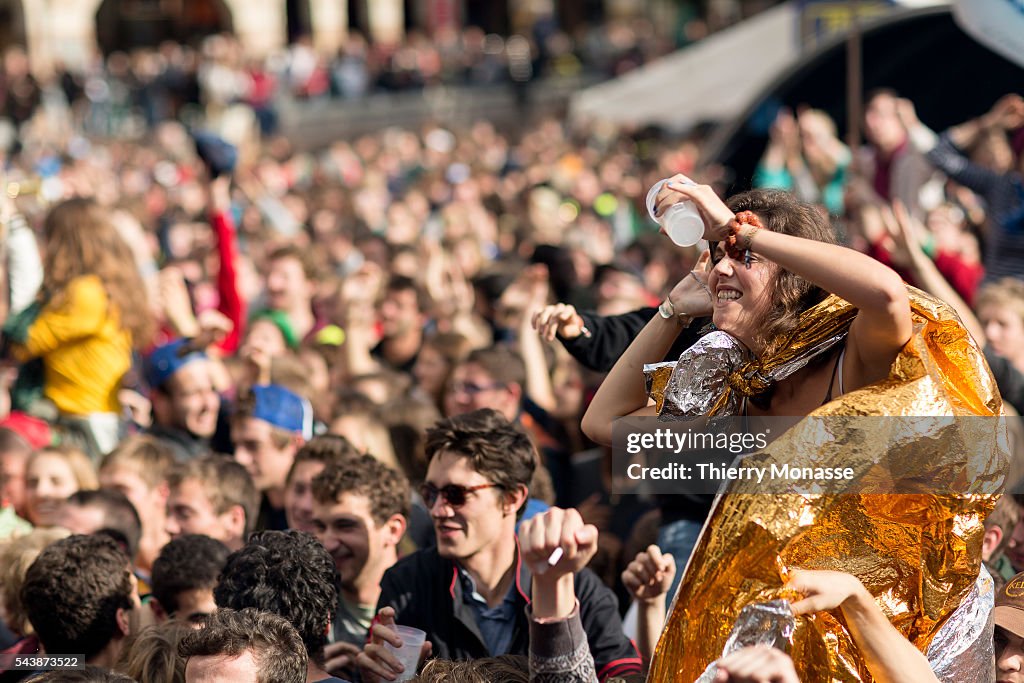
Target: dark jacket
(425,593)
(1009,379)
(612,335)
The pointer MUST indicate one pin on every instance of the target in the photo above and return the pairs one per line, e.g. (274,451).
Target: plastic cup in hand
(682,222)
(409,653)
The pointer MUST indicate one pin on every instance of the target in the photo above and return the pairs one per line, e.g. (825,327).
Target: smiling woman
(775,260)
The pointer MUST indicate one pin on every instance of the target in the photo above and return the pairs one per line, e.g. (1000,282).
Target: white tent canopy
(714,79)
(711,80)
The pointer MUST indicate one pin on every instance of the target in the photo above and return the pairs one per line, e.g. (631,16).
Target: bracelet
(733,248)
(667,311)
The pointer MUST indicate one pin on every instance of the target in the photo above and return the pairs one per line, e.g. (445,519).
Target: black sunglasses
(715,255)
(453,494)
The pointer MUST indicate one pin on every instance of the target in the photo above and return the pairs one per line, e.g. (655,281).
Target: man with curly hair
(81,598)
(287,573)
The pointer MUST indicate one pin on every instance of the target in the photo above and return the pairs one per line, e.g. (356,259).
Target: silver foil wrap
(701,375)
(962,650)
(761,623)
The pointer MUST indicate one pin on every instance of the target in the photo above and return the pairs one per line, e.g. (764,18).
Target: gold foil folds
(918,553)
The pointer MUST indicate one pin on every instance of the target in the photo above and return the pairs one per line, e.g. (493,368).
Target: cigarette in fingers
(588,334)
(555,556)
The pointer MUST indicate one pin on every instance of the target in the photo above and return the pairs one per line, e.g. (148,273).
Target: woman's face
(1004,331)
(265,337)
(741,296)
(48,482)
(430,370)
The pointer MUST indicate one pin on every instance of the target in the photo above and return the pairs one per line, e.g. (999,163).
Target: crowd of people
(125,92)
(302,399)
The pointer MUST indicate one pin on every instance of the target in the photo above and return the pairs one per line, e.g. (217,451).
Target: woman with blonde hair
(152,655)
(51,475)
(16,556)
(91,312)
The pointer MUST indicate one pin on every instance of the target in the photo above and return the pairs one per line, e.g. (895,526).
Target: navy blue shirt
(497,623)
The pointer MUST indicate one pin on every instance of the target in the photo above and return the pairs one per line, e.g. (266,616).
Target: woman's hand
(822,590)
(756,664)
(692,296)
(712,209)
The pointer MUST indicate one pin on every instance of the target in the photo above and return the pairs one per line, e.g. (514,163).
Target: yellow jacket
(84,349)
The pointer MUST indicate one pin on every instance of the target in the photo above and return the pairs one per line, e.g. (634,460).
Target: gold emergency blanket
(918,554)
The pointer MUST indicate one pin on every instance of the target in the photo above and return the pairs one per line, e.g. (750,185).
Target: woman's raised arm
(883,324)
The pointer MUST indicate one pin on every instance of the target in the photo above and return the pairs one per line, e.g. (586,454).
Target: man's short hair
(498,449)
(301,255)
(274,643)
(401,283)
(13,442)
(504,365)
(287,573)
(504,668)
(1006,293)
(72,593)
(1004,515)
(387,489)
(189,562)
(226,483)
(120,519)
(147,456)
(327,449)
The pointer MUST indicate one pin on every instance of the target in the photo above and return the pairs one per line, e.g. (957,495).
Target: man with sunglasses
(470,592)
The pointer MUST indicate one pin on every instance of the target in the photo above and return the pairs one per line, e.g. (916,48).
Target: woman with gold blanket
(809,328)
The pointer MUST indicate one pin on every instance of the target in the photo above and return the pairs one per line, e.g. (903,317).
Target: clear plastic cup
(682,222)
(409,653)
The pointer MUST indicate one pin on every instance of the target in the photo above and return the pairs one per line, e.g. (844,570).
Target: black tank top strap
(832,381)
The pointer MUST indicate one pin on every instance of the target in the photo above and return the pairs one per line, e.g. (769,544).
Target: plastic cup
(683,224)
(409,653)
(682,221)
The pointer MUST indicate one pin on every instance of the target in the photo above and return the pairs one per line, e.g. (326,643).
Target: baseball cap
(283,408)
(168,359)
(1009,611)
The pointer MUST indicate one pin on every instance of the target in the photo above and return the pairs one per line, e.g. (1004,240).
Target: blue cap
(168,359)
(284,409)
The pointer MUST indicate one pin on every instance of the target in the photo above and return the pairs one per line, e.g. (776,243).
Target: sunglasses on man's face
(453,494)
